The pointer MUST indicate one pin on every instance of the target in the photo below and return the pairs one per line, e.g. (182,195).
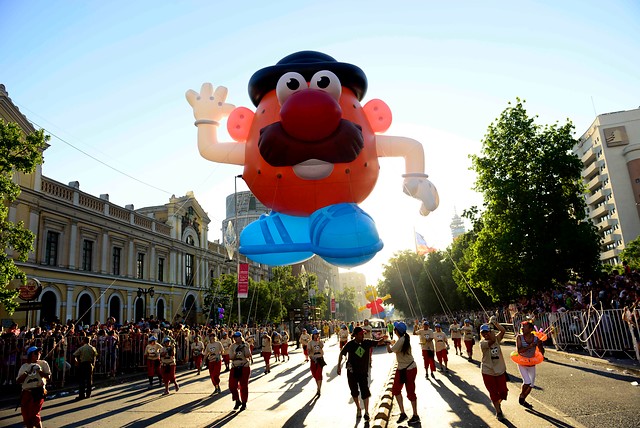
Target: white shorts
(528,374)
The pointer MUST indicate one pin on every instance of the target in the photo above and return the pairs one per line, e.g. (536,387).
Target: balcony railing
(66,193)
(592,169)
(596,181)
(607,223)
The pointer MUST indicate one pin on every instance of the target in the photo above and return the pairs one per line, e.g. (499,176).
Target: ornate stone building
(97,260)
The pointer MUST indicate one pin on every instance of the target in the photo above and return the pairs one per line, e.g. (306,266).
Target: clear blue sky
(110,77)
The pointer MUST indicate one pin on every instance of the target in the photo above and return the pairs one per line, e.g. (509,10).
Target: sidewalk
(384,408)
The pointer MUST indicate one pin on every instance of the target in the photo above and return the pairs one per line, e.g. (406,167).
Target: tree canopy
(269,301)
(534,230)
(18,153)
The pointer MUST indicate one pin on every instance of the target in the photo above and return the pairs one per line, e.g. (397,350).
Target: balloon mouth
(313,169)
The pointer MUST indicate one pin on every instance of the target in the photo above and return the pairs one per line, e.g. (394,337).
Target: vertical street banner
(333,305)
(243,280)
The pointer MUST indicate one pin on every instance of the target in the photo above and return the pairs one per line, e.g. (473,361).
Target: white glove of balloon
(424,190)
(209,104)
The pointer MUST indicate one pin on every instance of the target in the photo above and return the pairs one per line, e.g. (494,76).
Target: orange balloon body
(281,190)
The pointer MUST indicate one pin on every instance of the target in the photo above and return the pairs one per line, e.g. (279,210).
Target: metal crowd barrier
(595,331)
(126,355)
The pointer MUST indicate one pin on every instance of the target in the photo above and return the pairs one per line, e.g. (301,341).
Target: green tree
(535,231)
(18,153)
(402,280)
(423,288)
(631,253)
(346,300)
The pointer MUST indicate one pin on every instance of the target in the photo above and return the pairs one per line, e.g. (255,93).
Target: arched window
(190,309)
(139,309)
(160,310)
(85,310)
(49,311)
(115,308)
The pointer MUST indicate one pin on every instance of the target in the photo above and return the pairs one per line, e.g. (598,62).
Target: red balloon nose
(310,115)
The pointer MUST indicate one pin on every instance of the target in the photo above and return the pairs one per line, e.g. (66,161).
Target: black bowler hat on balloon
(307,63)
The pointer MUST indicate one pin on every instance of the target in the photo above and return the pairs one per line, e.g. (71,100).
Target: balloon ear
(379,115)
(239,124)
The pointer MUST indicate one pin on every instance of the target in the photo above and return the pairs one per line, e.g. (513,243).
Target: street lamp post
(235,197)
(304,280)
(150,291)
(327,292)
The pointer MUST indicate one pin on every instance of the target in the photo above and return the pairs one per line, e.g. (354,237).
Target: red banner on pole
(333,305)
(243,280)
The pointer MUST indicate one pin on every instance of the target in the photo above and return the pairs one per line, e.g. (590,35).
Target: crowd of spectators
(615,291)
(121,346)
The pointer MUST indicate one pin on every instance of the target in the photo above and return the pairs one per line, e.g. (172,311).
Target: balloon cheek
(378,114)
(239,124)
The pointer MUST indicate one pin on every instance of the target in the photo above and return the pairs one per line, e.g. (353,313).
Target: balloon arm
(416,184)
(362,308)
(210,149)
(407,148)
(209,108)
(387,297)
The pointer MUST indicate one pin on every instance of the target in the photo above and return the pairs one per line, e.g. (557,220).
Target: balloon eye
(323,83)
(328,82)
(293,84)
(288,84)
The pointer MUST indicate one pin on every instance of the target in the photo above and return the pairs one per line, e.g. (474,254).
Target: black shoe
(402,418)
(524,403)
(415,419)
(79,398)
(366,416)
(243,407)
(500,416)
(237,406)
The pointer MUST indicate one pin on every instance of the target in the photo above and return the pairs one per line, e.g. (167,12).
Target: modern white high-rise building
(456,226)
(610,153)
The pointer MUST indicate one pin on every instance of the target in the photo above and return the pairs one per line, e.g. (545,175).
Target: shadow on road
(553,421)
(297,419)
(294,385)
(457,401)
(610,375)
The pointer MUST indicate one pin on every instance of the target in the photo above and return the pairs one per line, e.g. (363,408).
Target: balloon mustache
(278,148)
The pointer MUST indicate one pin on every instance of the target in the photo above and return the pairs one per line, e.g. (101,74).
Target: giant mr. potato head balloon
(310,153)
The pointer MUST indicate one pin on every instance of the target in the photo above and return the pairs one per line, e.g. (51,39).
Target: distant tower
(457,225)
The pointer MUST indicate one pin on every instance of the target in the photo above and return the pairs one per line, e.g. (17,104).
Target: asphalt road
(569,393)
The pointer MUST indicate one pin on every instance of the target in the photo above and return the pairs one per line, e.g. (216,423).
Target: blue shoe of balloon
(341,234)
(344,235)
(276,239)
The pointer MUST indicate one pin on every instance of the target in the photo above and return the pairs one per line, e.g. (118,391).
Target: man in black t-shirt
(358,357)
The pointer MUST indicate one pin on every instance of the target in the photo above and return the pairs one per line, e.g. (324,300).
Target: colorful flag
(421,245)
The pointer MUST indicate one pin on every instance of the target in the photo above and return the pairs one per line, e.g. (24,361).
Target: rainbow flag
(421,245)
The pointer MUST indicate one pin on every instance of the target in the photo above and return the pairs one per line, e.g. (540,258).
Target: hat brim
(265,80)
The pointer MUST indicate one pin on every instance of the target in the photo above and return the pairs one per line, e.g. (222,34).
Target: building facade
(96,260)
(610,153)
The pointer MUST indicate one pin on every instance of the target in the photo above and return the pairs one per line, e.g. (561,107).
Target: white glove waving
(209,104)
(422,189)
